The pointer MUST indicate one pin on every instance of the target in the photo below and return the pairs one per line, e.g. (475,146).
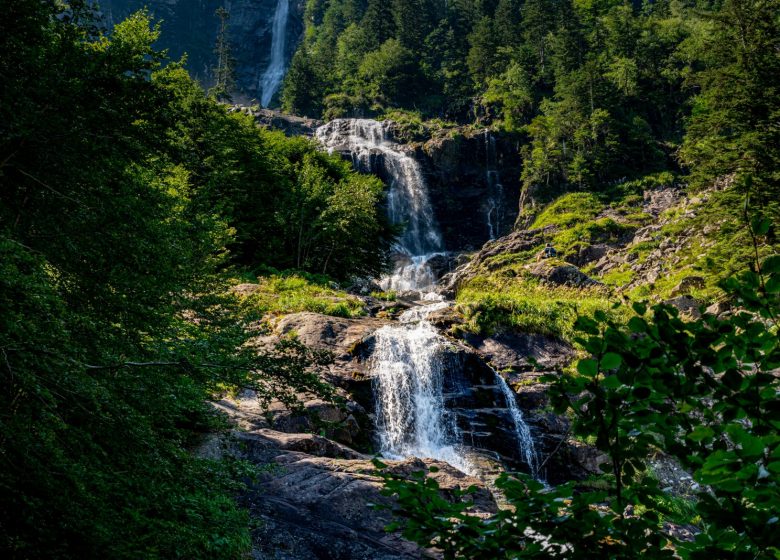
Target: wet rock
(520,351)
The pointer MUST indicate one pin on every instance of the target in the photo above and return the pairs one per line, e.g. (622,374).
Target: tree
(732,128)
(223,72)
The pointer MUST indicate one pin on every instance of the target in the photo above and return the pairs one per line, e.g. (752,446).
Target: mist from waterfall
(274,73)
(409,370)
(373,151)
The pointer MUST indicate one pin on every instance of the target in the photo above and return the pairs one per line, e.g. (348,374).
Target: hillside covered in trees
(208,327)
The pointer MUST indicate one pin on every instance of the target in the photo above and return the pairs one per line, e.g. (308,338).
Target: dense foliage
(125,195)
(703,392)
(602,90)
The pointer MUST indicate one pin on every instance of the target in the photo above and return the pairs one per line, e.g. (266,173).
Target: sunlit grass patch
(493,303)
(284,293)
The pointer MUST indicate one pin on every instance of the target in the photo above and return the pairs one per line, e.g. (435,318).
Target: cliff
(190,26)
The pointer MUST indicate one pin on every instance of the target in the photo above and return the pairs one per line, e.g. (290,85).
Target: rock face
(313,497)
(289,124)
(474,183)
(190,26)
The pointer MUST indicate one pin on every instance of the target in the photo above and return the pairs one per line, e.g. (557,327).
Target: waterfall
(372,149)
(274,74)
(409,370)
(525,441)
(495,202)
(410,362)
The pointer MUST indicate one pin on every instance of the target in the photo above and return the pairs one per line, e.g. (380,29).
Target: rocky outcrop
(291,125)
(314,498)
(190,26)
(556,274)
(473,181)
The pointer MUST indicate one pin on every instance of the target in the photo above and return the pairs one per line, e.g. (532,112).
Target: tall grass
(492,303)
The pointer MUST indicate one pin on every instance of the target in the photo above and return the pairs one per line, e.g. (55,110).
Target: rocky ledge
(316,498)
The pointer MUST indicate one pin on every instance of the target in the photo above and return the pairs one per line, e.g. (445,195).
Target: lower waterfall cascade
(412,418)
(409,362)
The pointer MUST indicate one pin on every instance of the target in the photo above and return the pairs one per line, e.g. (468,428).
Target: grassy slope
(701,236)
(293,292)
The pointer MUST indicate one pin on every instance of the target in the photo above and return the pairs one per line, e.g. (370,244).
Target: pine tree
(223,71)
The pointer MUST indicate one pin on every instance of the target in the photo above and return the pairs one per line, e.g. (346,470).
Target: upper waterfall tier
(274,73)
(372,150)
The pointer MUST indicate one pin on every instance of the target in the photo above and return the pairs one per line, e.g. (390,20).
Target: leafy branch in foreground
(703,392)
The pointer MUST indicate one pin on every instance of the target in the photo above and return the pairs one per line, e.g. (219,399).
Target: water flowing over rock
(370,146)
(524,439)
(409,370)
(495,213)
(274,73)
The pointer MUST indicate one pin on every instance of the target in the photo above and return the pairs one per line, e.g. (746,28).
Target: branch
(55,191)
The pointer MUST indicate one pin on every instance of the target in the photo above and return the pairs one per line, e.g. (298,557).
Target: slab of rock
(323,508)
(517,351)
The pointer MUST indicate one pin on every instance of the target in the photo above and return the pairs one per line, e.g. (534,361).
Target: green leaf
(701,433)
(610,360)
(588,367)
(773,284)
(771,264)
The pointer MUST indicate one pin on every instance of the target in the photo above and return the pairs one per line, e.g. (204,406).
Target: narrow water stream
(274,73)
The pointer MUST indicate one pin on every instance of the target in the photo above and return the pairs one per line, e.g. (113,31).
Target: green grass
(492,303)
(569,210)
(285,293)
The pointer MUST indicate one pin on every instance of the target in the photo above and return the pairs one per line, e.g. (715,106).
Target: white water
(409,371)
(373,151)
(495,203)
(409,361)
(274,74)
(525,441)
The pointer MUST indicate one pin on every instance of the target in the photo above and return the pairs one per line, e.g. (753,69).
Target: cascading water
(525,441)
(410,364)
(274,73)
(373,151)
(409,368)
(495,201)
